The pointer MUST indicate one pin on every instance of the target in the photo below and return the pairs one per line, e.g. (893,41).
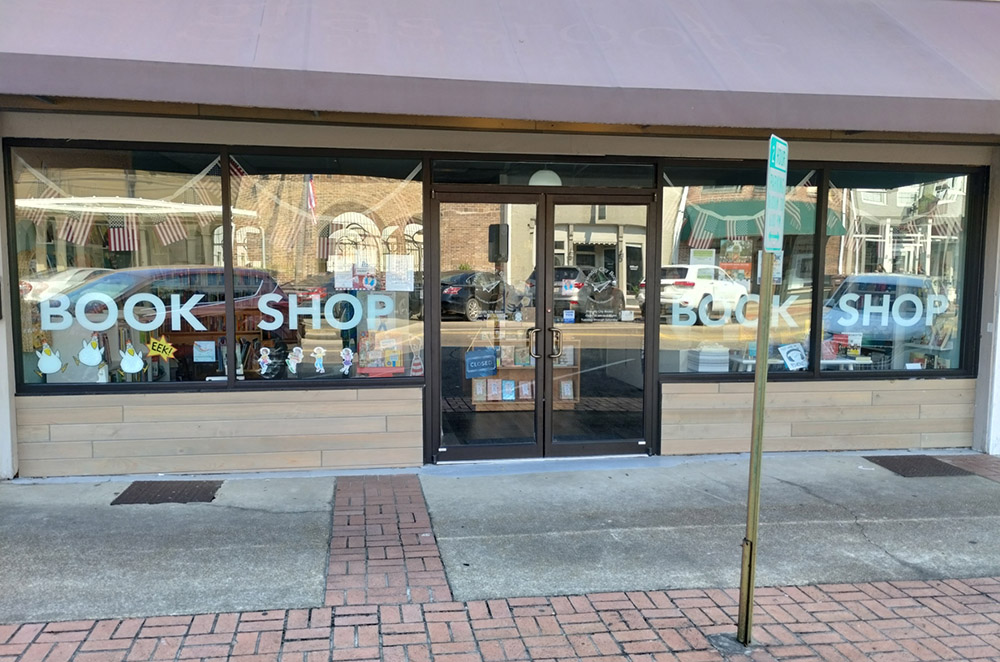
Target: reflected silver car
(690,285)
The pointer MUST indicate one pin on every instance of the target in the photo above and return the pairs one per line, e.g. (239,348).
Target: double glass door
(541,344)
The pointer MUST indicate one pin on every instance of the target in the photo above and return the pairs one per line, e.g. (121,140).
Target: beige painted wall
(219,432)
(883,414)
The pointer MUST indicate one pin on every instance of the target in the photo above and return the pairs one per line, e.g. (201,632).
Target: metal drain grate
(168,491)
(916,466)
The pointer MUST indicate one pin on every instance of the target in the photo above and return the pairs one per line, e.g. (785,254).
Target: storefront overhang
(868,65)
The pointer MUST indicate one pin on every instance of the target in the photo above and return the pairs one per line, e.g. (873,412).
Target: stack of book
(712,358)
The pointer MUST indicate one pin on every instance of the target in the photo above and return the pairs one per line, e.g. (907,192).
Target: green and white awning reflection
(706,221)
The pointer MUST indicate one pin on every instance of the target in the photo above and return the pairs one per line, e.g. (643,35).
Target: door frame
(545,200)
(650,391)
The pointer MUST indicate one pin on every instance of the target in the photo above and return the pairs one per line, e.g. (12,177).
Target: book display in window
(935,351)
(509,383)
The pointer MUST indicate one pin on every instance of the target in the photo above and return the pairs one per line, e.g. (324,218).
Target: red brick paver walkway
(987,466)
(387,598)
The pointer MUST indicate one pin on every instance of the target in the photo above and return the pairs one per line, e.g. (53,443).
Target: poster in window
(779,261)
(736,258)
(399,273)
(794,355)
(343,273)
(704,256)
(479,389)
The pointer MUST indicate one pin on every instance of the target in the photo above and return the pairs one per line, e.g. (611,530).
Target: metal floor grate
(168,491)
(916,466)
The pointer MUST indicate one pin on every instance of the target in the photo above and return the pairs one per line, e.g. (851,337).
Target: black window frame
(231,383)
(971,306)
(971,297)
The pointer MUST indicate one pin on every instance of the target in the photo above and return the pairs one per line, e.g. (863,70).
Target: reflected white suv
(689,285)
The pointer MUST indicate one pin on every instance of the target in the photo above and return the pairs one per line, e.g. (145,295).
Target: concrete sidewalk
(387,594)
(613,525)
(66,553)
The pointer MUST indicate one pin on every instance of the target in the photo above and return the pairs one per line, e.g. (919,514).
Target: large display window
(709,278)
(343,239)
(892,263)
(895,270)
(117,277)
(131,269)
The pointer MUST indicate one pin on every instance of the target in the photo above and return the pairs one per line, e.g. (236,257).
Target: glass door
(541,347)
(597,378)
(490,364)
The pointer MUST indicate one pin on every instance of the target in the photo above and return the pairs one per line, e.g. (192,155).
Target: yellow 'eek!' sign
(160,347)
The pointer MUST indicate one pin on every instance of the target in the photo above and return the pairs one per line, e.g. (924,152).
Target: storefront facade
(248,290)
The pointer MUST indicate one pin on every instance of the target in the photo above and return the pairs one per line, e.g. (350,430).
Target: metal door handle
(532,336)
(556,340)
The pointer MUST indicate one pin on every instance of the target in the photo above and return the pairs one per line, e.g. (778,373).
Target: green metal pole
(744,624)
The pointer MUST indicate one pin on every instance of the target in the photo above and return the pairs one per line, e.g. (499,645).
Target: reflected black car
(474,294)
(324,285)
(593,293)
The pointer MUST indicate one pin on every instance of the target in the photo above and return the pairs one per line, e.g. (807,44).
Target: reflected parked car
(870,304)
(324,285)
(689,285)
(474,294)
(593,293)
(186,281)
(163,281)
(53,282)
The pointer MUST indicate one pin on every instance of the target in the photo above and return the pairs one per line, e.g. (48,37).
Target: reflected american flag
(76,229)
(701,236)
(323,243)
(36,214)
(170,230)
(123,232)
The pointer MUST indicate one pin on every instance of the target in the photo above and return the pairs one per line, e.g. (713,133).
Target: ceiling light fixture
(545,177)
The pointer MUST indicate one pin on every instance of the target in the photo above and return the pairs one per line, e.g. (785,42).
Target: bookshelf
(517,367)
(929,357)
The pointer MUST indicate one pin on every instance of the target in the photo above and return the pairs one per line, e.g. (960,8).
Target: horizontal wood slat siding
(218,431)
(885,414)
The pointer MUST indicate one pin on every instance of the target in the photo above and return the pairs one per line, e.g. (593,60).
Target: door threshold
(538,465)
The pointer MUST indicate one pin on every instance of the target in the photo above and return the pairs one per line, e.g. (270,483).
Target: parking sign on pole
(774,206)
